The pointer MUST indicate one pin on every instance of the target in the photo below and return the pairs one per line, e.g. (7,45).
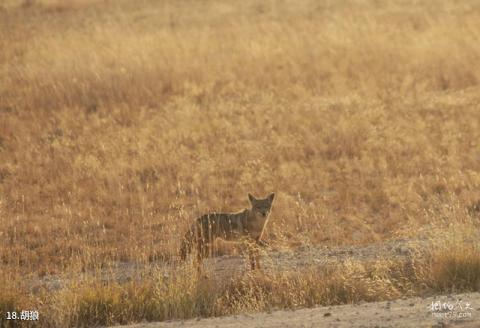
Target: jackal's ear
(271,197)
(251,198)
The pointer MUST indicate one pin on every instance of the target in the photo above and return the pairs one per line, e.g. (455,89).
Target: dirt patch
(410,312)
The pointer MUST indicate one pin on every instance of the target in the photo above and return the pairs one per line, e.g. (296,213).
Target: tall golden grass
(121,121)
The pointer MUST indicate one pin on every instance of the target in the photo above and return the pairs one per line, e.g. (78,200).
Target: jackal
(247,226)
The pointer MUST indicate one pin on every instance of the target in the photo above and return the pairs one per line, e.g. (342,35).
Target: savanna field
(122,121)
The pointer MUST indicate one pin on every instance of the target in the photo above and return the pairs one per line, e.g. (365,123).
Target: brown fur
(247,226)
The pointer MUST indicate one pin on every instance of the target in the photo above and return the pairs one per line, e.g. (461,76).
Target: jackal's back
(228,226)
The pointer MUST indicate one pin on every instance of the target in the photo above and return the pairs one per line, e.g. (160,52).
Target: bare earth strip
(411,312)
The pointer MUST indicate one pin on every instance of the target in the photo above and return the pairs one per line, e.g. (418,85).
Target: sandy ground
(410,312)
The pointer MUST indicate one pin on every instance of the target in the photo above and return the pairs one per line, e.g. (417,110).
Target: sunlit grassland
(121,121)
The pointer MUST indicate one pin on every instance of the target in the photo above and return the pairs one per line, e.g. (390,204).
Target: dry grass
(183,294)
(120,121)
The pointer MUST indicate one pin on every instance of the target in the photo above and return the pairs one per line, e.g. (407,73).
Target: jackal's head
(261,206)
